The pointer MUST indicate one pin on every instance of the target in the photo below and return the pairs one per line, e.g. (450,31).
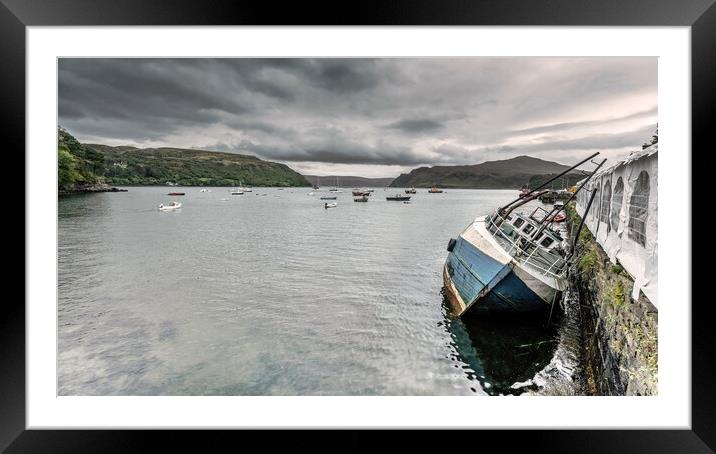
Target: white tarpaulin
(623,217)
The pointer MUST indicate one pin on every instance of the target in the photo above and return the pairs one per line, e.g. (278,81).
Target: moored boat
(363,198)
(242,188)
(509,262)
(170,207)
(410,191)
(330,205)
(237,192)
(176,193)
(435,190)
(398,198)
(329,197)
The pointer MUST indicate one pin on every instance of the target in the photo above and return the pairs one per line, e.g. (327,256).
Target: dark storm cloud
(383,112)
(416,125)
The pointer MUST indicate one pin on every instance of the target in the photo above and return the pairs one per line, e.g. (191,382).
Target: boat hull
(478,278)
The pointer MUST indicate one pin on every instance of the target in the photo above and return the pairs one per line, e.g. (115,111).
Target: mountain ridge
(509,173)
(349,181)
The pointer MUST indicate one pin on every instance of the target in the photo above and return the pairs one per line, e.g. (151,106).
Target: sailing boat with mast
(337,188)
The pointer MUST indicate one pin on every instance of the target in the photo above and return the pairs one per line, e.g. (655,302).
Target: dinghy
(330,205)
(172,206)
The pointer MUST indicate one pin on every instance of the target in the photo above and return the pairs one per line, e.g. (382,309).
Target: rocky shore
(88,188)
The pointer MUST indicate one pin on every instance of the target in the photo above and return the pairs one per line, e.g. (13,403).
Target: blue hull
(471,271)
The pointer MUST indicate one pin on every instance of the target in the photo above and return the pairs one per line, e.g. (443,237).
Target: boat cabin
(529,241)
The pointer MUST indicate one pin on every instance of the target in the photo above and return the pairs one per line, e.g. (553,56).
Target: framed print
(420,217)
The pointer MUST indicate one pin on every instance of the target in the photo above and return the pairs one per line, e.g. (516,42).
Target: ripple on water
(271,296)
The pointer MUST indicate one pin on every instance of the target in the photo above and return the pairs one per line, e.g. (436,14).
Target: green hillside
(125,165)
(505,174)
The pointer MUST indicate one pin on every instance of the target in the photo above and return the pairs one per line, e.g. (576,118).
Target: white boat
(337,188)
(237,191)
(204,190)
(509,262)
(171,207)
(330,205)
(244,189)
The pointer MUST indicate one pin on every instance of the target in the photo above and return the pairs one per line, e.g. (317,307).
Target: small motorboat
(363,198)
(560,217)
(204,190)
(410,191)
(237,192)
(176,193)
(398,198)
(435,190)
(330,205)
(171,207)
(329,197)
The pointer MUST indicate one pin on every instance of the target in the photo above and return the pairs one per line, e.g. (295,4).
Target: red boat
(176,193)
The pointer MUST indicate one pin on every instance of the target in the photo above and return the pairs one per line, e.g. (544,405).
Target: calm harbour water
(274,295)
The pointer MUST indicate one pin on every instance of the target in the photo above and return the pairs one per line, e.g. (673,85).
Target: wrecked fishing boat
(509,262)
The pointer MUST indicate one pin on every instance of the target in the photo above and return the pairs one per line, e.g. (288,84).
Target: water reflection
(501,352)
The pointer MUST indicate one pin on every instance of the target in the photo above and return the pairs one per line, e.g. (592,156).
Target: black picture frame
(700,15)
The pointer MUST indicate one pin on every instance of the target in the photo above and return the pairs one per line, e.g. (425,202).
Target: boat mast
(556,210)
(549,181)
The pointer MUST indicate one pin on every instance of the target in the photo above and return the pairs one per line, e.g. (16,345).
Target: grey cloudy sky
(371,117)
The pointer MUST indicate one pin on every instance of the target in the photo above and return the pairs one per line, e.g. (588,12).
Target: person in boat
(325,205)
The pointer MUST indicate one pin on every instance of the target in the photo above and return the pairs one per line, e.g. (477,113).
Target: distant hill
(126,165)
(506,174)
(349,181)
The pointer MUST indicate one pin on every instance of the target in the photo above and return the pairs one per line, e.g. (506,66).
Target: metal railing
(548,262)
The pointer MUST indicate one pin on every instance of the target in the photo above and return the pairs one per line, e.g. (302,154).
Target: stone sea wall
(619,334)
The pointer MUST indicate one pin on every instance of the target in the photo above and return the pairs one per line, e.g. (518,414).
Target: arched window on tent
(606,196)
(595,204)
(617,203)
(639,209)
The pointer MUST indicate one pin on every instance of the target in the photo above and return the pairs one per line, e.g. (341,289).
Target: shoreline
(88,189)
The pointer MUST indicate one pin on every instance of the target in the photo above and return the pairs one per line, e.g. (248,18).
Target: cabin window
(638,209)
(528,228)
(518,222)
(606,196)
(617,203)
(546,242)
